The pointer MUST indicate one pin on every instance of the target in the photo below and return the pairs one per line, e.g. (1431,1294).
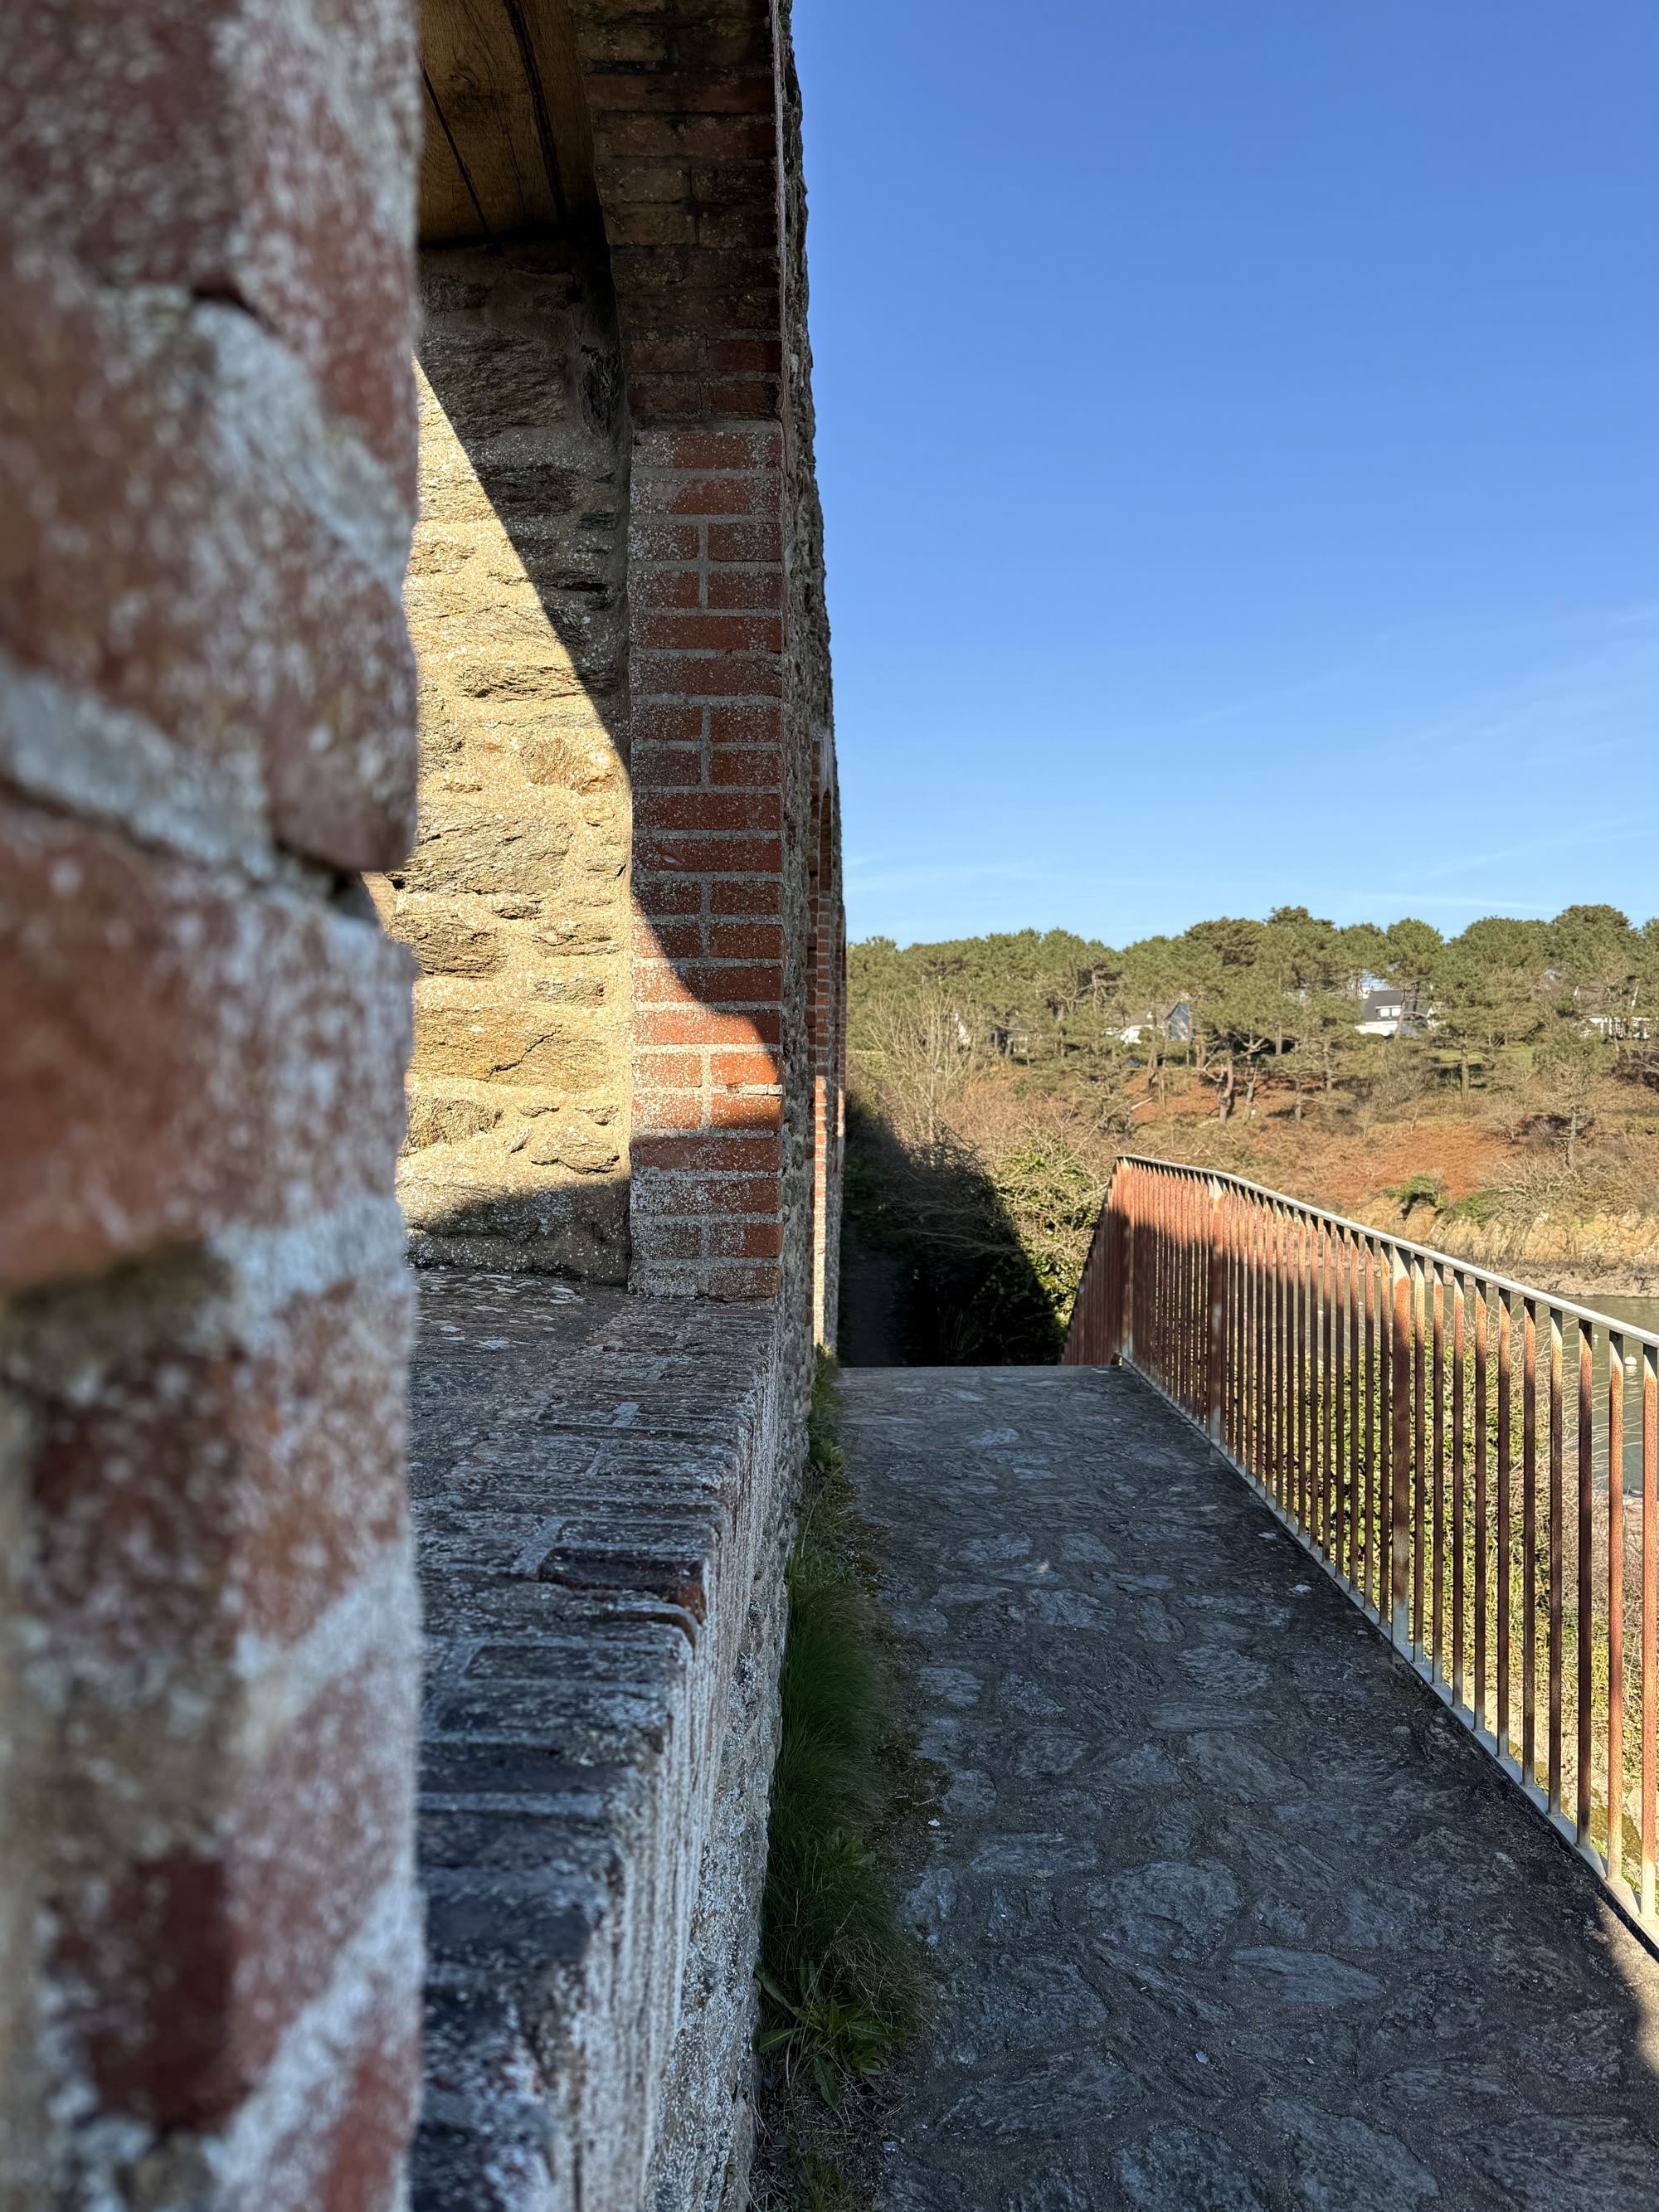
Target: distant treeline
(993,1080)
(1233,997)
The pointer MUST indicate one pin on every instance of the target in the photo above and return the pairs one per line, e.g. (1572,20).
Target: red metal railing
(1476,1462)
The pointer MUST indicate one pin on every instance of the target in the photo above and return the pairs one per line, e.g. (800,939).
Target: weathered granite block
(602,1494)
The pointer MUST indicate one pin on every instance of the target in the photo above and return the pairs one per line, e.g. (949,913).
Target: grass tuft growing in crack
(844,1983)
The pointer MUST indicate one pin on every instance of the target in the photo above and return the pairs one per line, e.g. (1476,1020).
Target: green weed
(842,1983)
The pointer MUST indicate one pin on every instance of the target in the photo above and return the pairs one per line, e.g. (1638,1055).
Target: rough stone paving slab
(601,1518)
(1230,1913)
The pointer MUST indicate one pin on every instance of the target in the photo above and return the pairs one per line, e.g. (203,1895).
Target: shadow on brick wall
(933,1271)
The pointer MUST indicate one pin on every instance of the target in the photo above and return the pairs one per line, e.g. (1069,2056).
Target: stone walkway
(1228,1913)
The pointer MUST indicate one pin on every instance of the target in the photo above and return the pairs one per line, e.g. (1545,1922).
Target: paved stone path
(1229,1914)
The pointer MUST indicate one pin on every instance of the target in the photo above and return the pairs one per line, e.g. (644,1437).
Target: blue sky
(1237,441)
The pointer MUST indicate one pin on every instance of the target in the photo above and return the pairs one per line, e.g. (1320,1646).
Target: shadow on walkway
(933,1270)
(1230,1915)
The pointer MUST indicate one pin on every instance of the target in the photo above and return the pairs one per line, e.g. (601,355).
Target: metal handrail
(1407,1415)
(1400,1243)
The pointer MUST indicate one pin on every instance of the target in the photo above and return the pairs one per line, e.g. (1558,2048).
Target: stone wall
(604,1485)
(516,899)
(209,1932)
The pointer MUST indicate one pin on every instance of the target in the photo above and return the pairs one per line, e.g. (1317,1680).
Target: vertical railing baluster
(1330,1390)
(1505,1512)
(1583,1750)
(1281,1345)
(1298,1288)
(1175,1350)
(1310,1382)
(1529,1539)
(1615,1605)
(1483,1415)
(1650,1614)
(1244,1339)
(1203,1288)
(1400,1380)
(1239,1308)
(1557,1554)
(1275,1372)
(1342,1361)
(1217,1338)
(1385,1364)
(1299,1368)
(1206,1294)
(1359,1401)
(1169,1203)
(1258,1448)
(1368,1425)
(1437,1449)
(1154,1302)
(1130,1268)
(1234,1328)
(1329,1398)
(1418,1454)
(1292,1366)
(1312,1425)
(1459,1478)
(1354,1378)
(1316,1452)
(1152,1202)
(1194,1303)
(1160,1195)
(1248,1224)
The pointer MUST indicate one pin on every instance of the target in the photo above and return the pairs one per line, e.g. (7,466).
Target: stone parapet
(603,1489)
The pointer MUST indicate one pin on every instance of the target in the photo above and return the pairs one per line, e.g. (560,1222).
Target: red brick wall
(706,586)
(826,1023)
(209,1955)
(697,175)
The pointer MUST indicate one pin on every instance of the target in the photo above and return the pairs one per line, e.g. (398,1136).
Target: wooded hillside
(994,1080)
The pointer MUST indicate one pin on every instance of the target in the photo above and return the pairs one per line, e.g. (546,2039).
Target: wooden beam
(508,147)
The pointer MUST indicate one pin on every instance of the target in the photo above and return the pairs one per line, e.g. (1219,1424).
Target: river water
(1640,1313)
